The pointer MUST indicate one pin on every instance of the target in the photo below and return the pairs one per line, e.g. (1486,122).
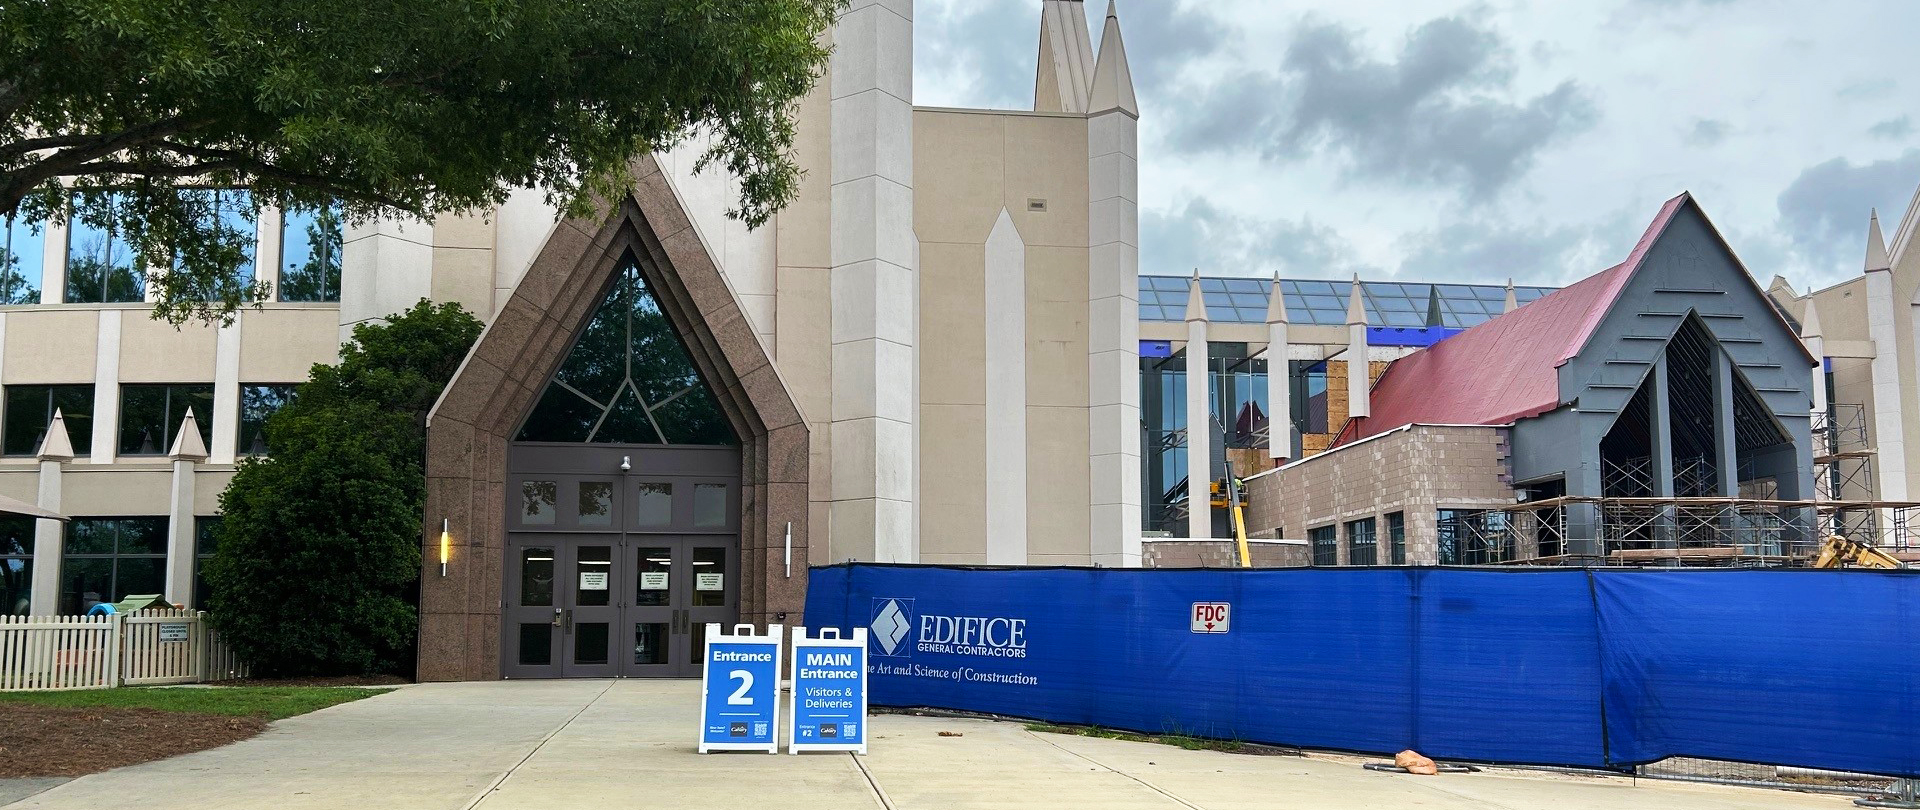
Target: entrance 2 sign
(1211,617)
(829,692)
(740,690)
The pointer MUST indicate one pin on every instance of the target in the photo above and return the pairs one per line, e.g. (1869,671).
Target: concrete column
(1006,429)
(1726,461)
(106,388)
(386,266)
(187,451)
(1889,438)
(1113,299)
(267,247)
(53,266)
(226,392)
(874,288)
(1359,373)
(1200,430)
(1280,430)
(48,536)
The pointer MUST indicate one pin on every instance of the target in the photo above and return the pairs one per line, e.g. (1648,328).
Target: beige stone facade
(1415,471)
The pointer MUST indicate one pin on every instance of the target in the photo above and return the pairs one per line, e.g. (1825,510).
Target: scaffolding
(1843,466)
(1692,531)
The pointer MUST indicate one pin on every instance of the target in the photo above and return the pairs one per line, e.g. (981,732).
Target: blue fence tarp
(1592,668)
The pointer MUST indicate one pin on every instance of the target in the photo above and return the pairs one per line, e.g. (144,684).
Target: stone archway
(470,427)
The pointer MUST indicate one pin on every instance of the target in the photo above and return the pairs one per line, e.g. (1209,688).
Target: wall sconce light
(446,546)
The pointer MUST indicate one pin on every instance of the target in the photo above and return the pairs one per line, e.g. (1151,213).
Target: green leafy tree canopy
(416,107)
(318,555)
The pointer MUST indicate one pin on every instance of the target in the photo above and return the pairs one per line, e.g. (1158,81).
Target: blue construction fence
(1589,668)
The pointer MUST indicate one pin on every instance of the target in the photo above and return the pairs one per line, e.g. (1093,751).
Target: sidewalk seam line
(487,792)
(1110,769)
(878,793)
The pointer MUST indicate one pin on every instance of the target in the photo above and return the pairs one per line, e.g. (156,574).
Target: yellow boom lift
(1840,552)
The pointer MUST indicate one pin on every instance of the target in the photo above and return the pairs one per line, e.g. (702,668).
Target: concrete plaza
(629,744)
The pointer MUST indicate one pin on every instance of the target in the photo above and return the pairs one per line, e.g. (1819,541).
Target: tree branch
(213,159)
(37,144)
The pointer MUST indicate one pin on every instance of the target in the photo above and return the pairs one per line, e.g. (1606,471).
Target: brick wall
(1417,471)
(1220,554)
(1314,443)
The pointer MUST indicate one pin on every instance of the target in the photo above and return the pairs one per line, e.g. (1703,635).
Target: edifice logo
(892,622)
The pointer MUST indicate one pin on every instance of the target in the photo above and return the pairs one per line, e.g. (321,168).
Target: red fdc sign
(1211,617)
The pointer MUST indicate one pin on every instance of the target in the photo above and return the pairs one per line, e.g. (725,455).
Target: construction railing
(1689,531)
(96,652)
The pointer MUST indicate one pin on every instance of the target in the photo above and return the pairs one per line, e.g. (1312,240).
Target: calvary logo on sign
(892,623)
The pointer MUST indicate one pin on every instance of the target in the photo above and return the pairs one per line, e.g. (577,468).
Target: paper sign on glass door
(709,582)
(593,580)
(653,580)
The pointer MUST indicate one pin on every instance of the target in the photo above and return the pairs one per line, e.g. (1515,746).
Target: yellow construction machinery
(1231,493)
(1840,552)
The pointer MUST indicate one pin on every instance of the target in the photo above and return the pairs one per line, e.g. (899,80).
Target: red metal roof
(1507,368)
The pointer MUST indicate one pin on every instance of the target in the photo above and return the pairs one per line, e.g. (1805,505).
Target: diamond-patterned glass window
(628,380)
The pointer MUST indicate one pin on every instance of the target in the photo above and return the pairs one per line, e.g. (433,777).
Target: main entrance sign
(740,690)
(829,699)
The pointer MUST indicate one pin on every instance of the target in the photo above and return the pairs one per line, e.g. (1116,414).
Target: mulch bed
(341,680)
(58,741)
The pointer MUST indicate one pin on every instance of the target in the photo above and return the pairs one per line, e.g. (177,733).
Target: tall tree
(414,107)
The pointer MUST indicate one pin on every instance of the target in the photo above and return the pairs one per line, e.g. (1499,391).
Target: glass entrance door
(597,607)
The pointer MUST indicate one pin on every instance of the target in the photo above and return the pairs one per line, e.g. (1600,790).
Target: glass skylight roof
(1324,303)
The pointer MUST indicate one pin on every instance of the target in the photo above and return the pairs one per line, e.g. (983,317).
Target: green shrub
(318,557)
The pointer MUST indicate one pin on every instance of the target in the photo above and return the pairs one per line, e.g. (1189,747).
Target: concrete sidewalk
(625,744)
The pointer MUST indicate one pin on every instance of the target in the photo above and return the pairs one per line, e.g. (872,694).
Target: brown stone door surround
(463,611)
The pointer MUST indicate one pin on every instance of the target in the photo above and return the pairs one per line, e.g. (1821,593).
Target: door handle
(569,618)
(556,617)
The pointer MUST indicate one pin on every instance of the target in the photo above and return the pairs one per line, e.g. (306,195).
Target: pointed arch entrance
(622,343)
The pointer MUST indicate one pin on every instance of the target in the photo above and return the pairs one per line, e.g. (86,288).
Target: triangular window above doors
(628,380)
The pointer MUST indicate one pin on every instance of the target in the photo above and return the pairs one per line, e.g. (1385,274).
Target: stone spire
(188,446)
(1513,301)
(1876,246)
(1810,325)
(1276,302)
(1356,312)
(57,446)
(1063,72)
(1112,78)
(1196,304)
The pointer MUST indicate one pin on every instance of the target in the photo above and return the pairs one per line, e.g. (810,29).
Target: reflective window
(22,252)
(536,644)
(710,505)
(1324,303)
(150,416)
(628,380)
(1397,537)
(1325,544)
(109,559)
(593,576)
(229,214)
(536,577)
(653,504)
(205,541)
(310,249)
(709,576)
(537,502)
(596,503)
(257,402)
(100,264)
(590,643)
(1362,543)
(650,643)
(30,409)
(16,565)
(653,581)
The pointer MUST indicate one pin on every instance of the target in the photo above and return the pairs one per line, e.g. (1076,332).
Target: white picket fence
(96,652)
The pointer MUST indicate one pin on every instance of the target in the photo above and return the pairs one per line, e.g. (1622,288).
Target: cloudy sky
(1436,139)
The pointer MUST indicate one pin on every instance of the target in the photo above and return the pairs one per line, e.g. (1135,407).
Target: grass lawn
(265,702)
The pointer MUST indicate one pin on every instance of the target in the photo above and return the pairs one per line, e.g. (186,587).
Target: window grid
(1325,542)
(108,559)
(1397,537)
(1362,545)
